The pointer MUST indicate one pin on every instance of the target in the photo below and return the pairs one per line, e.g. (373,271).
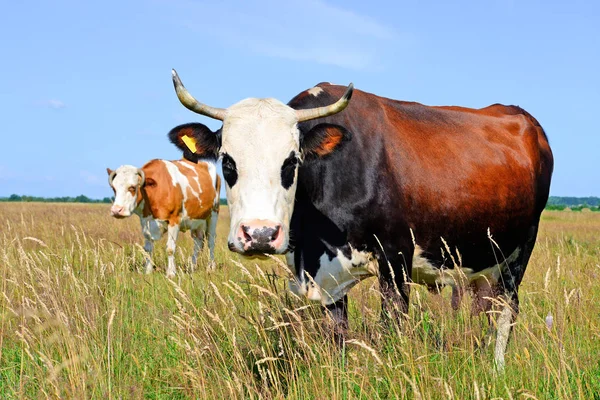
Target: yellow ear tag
(189,142)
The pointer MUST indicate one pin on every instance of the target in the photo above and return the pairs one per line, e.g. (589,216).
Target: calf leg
(172,232)
(148,247)
(211,231)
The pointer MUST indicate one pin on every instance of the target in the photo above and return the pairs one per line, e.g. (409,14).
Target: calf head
(126,181)
(261,147)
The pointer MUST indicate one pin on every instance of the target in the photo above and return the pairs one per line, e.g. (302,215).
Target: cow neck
(142,208)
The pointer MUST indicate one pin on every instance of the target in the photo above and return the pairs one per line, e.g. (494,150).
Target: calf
(169,196)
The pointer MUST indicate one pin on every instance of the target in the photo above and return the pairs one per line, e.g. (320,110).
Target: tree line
(574,201)
(554,202)
(67,199)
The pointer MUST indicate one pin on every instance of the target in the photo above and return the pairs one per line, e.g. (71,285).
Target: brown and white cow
(172,197)
(376,186)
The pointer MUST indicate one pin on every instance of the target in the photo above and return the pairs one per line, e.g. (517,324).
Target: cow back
(441,172)
(177,190)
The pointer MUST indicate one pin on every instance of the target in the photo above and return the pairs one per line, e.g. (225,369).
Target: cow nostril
(247,236)
(276,232)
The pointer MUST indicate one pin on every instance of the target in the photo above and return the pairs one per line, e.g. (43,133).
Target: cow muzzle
(259,236)
(118,211)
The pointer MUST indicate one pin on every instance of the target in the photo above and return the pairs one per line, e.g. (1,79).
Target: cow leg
(394,302)
(211,232)
(148,247)
(458,293)
(338,314)
(198,236)
(508,314)
(487,298)
(147,228)
(393,285)
(510,307)
(483,293)
(172,232)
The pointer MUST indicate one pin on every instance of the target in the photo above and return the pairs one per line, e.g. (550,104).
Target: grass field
(79,320)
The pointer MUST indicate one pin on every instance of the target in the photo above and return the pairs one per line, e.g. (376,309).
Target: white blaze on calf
(169,196)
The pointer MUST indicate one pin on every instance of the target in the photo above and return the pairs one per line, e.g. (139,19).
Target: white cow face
(260,151)
(260,146)
(126,182)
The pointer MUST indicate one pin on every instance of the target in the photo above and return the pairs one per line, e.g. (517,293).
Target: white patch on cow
(178,178)
(192,168)
(212,171)
(252,129)
(315,91)
(173,172)
(337,276)
(423,272)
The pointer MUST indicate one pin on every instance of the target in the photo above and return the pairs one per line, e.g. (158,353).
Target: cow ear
(109,171)
(323,139)
(196,141)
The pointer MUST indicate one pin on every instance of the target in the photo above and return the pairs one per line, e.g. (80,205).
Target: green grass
(80,320)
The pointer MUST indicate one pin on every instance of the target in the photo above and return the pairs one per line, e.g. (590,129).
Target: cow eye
(132,189)
(288,170)
(229,170)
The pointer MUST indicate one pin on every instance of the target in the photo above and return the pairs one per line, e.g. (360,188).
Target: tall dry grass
(80,320)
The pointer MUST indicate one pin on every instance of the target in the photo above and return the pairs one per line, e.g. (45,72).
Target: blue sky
(86,85)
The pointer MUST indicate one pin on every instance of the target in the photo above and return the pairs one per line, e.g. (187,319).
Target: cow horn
(194,105)
(142,175)
(111,177)
(320,112)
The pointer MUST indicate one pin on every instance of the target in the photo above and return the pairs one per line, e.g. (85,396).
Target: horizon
(88,85)
(99,199)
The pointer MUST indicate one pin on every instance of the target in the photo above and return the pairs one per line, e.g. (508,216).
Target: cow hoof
(170,275)
(212,266)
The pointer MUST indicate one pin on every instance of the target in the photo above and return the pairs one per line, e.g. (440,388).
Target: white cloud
(55,104)
(299,30)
